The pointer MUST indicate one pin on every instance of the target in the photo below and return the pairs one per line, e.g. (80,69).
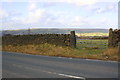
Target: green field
(91,48)
(87,43)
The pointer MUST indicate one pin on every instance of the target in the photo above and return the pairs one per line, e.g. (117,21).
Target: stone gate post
(110,39)
(72,39)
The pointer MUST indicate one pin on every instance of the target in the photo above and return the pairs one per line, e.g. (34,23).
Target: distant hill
(52,31)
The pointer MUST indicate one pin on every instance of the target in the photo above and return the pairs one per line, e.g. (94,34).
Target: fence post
(110,39)
(72,39)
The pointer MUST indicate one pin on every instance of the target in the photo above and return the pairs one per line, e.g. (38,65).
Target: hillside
(53,31)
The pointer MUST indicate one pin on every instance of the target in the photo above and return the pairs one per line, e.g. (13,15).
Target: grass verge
(53,50)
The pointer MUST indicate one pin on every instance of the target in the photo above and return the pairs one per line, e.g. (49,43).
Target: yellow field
(92,34)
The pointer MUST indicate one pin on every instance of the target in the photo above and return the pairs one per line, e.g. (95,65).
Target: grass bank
(82,51)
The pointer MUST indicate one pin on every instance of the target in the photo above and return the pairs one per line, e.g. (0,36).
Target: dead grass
(111,53)
(53,50)
(43,49)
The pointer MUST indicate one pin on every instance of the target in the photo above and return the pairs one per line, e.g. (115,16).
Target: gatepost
(72,39)
(110,39)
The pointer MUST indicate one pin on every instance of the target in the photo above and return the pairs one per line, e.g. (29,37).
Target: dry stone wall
(56,39)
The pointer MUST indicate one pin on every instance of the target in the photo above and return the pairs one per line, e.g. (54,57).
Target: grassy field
(88,49)
(92,34)
(92,43)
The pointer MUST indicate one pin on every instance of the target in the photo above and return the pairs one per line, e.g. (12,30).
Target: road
(18,65)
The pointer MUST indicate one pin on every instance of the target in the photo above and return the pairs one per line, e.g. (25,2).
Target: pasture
(92,43)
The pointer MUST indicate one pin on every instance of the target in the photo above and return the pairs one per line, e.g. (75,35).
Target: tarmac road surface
(18,65)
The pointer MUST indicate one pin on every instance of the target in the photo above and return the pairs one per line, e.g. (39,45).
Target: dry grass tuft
(111,53)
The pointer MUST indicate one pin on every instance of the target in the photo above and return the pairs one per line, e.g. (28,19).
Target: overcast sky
(58,14)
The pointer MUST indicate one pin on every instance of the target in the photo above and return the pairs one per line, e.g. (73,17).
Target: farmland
(91,44)
(92,34)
